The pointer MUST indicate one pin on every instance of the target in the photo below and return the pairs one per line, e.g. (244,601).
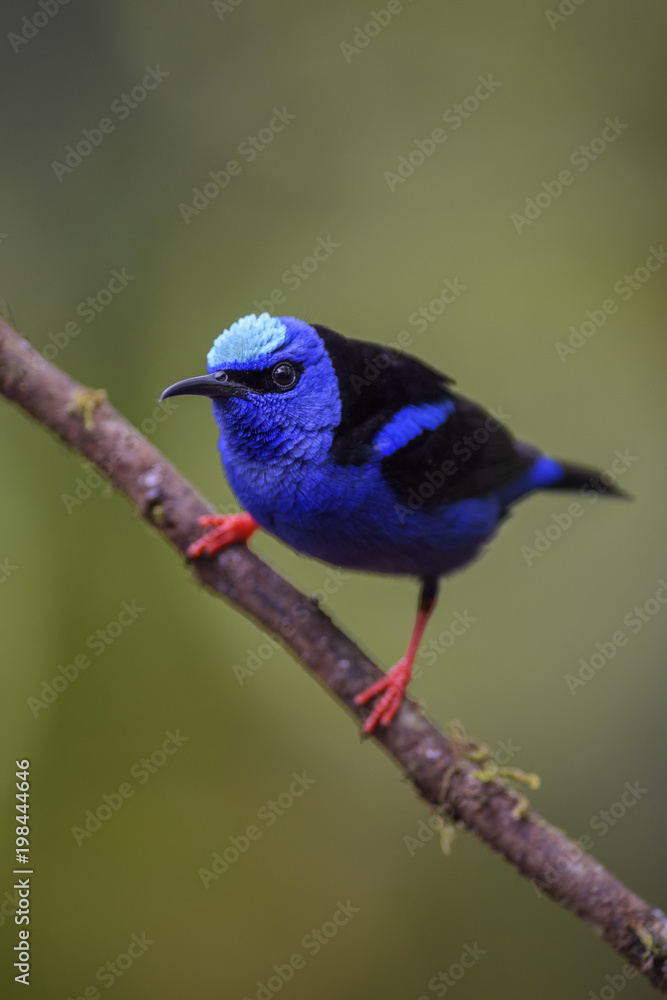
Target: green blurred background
(70,566)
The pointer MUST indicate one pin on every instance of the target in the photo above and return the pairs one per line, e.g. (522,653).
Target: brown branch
(441,768)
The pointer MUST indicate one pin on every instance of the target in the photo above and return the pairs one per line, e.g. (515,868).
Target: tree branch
(441,768)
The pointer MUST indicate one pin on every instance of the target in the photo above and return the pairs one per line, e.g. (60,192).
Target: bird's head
(270,379)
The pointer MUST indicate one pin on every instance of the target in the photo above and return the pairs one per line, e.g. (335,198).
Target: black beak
(215,385)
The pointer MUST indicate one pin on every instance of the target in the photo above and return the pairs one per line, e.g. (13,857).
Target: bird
(365,457)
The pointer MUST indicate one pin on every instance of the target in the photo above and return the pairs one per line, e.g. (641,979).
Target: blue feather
(365,458)
(409,422)
(249,338)
(368,460)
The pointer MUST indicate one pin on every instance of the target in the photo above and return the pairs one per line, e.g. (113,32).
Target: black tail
(588,481)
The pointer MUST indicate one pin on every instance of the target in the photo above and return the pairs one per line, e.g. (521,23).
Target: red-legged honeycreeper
(364,457)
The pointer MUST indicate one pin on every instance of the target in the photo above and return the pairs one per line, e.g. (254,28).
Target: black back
(470,454)
(374,382)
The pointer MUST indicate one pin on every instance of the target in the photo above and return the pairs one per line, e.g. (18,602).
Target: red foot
(394,684)
(225,530)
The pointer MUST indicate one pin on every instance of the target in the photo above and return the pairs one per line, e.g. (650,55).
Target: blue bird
(364,457)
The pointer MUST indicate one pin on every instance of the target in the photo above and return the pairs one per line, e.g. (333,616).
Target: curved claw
(226,529)
(394,685)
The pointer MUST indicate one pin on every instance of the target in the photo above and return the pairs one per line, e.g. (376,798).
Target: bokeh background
(360,101)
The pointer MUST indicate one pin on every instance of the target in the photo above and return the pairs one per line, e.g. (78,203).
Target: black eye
(284,375)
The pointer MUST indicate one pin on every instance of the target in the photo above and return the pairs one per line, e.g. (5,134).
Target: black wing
(470,454)
(374,383)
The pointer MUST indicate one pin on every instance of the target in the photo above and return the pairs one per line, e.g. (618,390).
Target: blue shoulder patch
(543,473)
(409,423)
(250,337)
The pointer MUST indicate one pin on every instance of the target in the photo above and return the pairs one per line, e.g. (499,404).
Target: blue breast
(349,515)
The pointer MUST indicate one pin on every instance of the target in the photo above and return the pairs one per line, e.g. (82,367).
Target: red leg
(394,684)
(225,530)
